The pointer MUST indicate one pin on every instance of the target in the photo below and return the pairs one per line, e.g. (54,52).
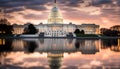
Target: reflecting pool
(59,53)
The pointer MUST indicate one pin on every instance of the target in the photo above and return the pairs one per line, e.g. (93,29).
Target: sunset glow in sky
(105,13)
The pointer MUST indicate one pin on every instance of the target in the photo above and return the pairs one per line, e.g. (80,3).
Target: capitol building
(56,27)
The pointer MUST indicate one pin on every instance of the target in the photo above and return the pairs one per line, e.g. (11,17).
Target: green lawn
(86,35)
(6,35)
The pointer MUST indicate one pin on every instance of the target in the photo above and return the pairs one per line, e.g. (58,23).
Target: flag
(54,1)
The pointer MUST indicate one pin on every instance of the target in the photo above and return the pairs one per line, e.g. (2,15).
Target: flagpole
(55,1)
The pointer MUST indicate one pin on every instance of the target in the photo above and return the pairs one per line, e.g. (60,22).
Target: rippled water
(59,53)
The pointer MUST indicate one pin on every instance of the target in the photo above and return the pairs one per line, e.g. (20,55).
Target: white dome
(55,16)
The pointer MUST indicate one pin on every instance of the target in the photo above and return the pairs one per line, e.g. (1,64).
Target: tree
(31,46)
(77,31)
(111,32)
(6,29)
(30,29)
(82,32)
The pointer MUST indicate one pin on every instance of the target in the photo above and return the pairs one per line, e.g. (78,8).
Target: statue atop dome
(54,1)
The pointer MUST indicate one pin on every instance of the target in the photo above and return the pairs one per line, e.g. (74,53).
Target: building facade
(56,26)
(89,28)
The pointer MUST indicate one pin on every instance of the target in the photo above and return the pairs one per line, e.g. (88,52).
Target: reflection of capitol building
(89,47)
(55,60)
(65,45)
(117,47)
(57,46)
(56,26)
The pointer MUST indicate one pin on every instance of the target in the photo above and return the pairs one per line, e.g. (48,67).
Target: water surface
(59,53)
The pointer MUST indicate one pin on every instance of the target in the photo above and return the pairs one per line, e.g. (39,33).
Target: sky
(105,13)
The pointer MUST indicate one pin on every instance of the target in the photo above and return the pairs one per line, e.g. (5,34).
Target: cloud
(118,2)
(18,67)
(96,63)
(79,10)
(36,4)
(15,9)
(70,67)
(34,15)
(73,3)
(100,2)
(37,7)
(31,16)
(23,3)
